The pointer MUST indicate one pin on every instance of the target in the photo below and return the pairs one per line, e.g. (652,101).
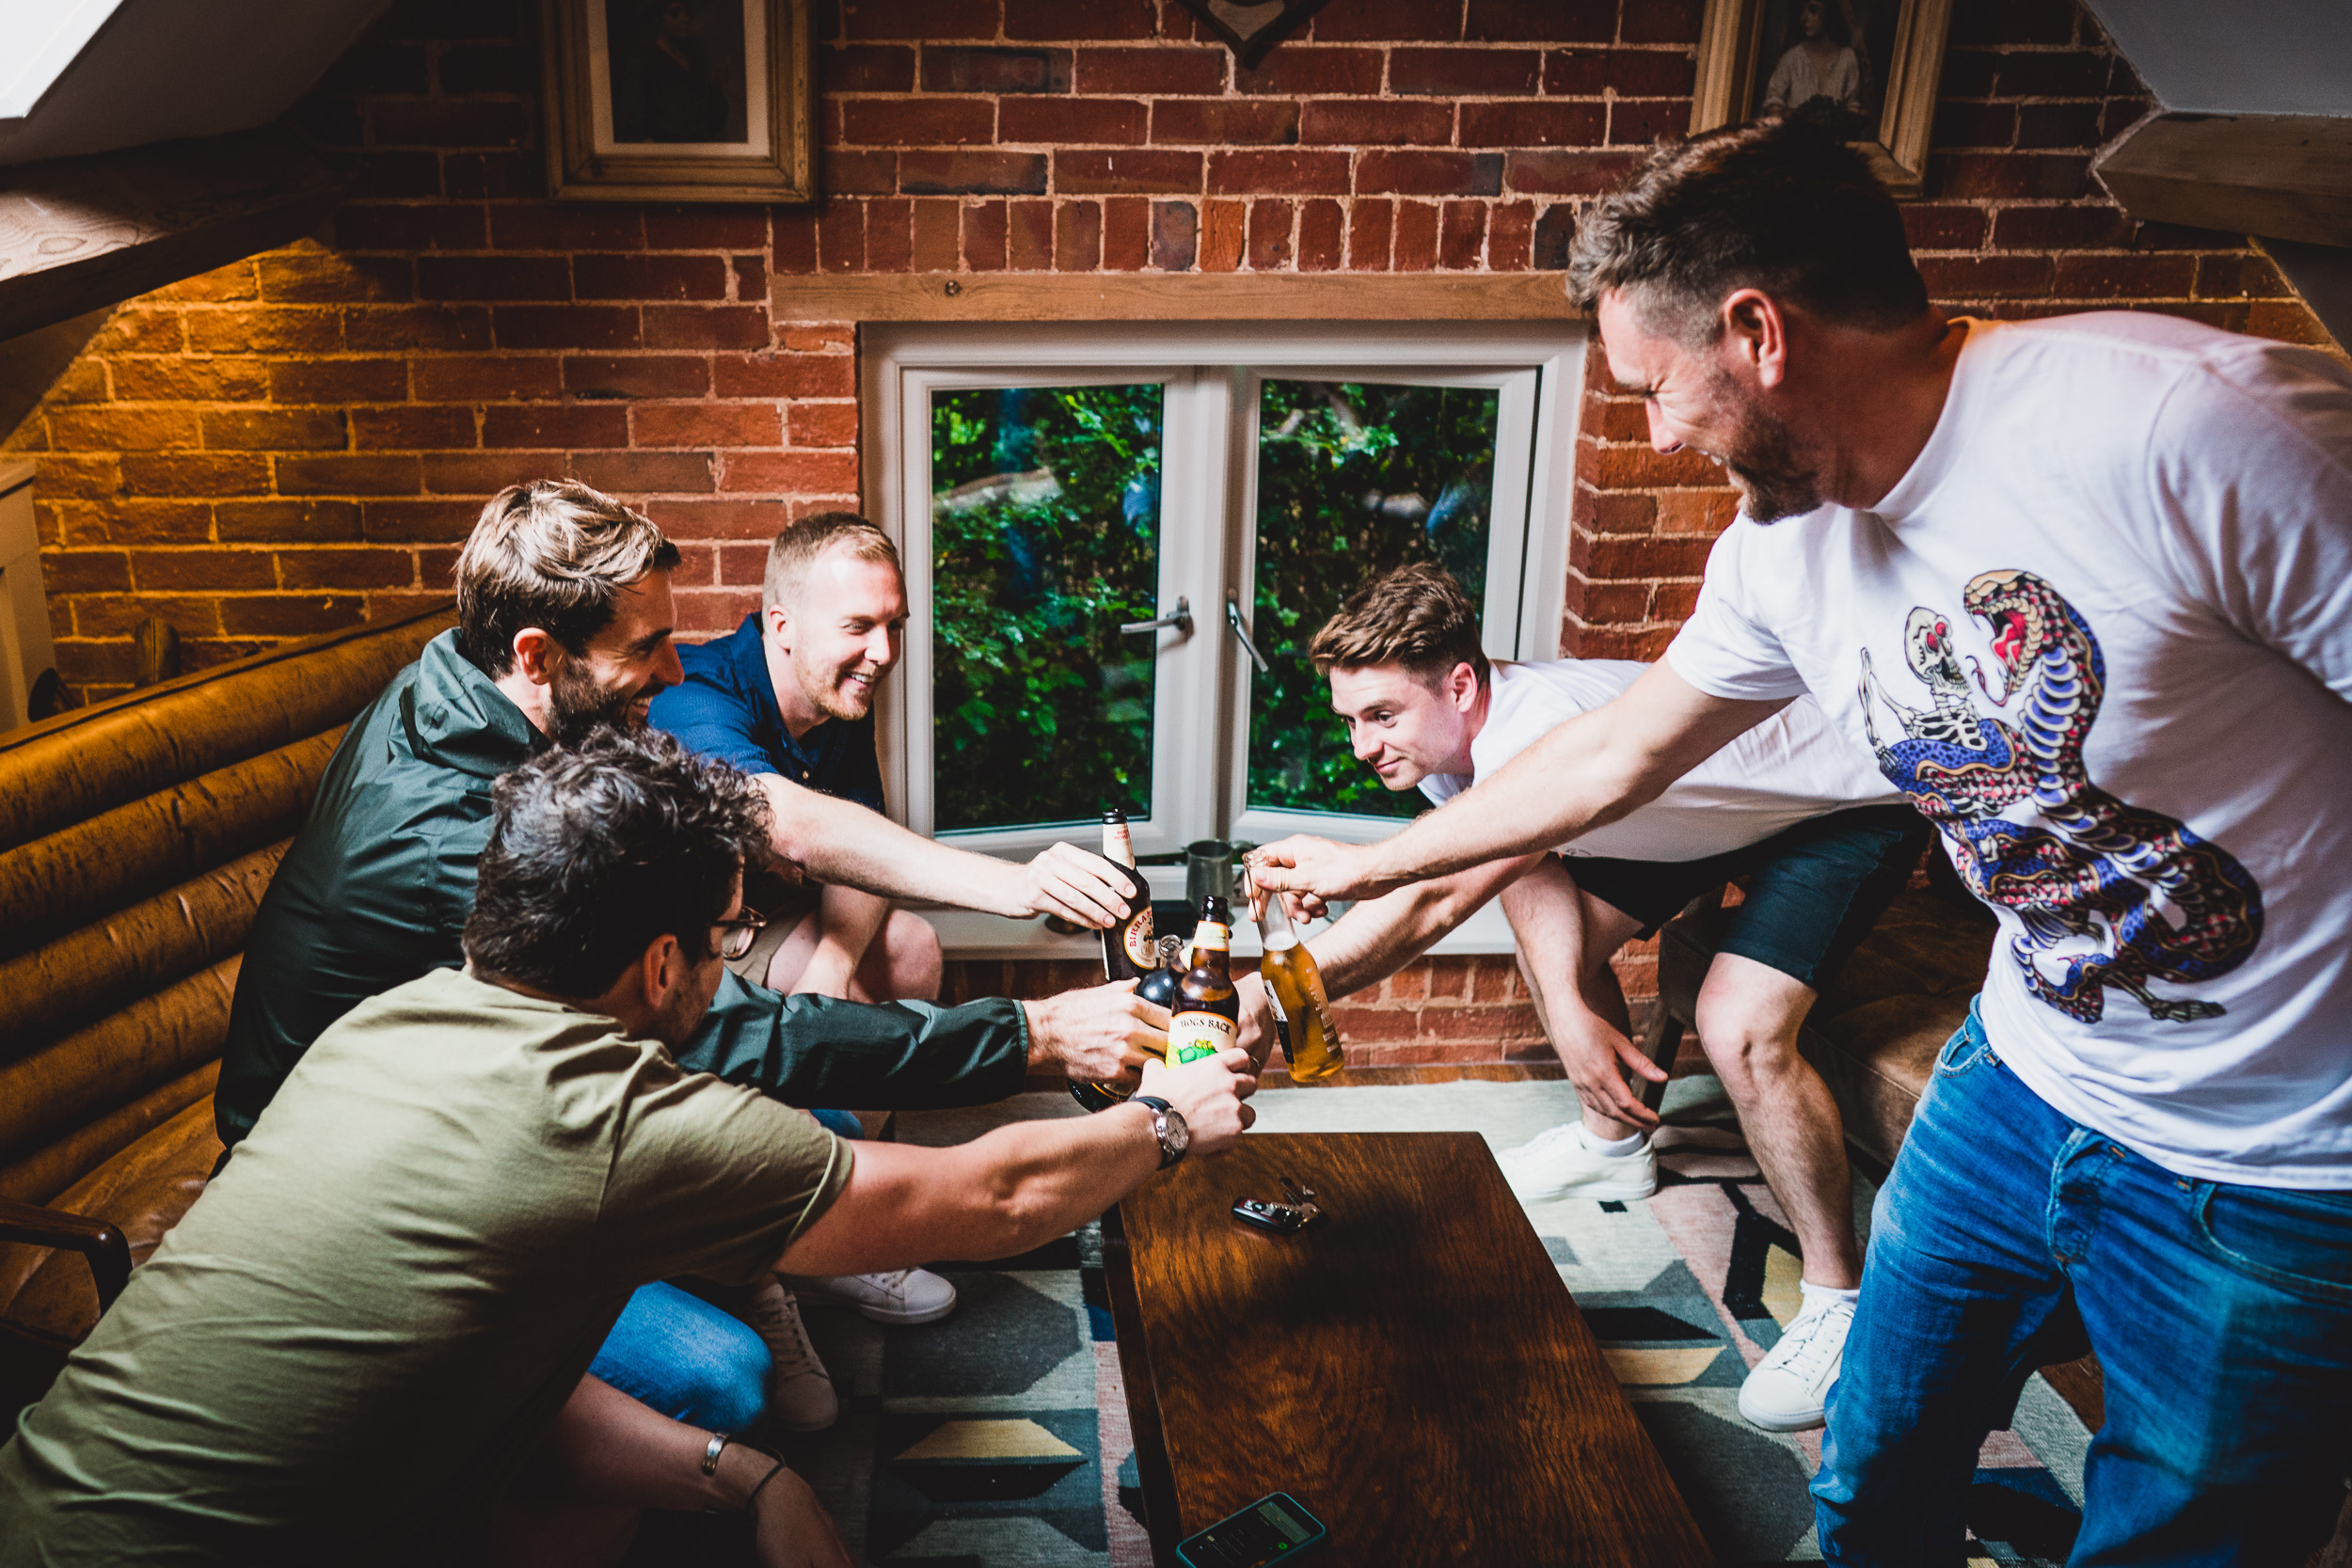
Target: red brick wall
(298,441)
(1432,1016)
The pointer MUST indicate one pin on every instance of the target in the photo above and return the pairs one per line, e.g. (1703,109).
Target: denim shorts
(1813,891)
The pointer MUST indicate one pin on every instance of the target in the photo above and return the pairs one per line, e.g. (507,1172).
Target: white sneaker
(900,1297)
(1789,1389)
(801,1395)
(1555,1163)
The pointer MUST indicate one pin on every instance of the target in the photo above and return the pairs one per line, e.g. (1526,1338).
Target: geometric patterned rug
(999,1436)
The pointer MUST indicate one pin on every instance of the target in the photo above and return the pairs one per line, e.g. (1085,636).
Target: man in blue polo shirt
(789,700)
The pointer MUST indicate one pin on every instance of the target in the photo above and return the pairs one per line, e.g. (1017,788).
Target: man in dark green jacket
(565,619)
(375,890)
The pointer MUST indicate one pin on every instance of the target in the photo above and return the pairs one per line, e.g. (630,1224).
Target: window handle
(1181,618)
(1233,620)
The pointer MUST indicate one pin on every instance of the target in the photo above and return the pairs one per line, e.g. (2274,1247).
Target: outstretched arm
(1590,771)
(1019,1186)
(841,842)
(1375,939)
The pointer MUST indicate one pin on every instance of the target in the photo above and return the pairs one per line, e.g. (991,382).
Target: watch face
(1179,1135)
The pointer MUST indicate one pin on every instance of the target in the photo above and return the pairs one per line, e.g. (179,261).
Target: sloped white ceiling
(161,69)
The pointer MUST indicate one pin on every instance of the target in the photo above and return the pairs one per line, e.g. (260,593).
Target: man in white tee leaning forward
(2085,586)
(1804,815)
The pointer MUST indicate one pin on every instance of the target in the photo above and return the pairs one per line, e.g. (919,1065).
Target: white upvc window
(1050,484)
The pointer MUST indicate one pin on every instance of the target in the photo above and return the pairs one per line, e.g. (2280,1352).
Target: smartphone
(1272,1530)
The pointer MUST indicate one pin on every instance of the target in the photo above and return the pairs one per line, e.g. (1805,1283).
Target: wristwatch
(1167,1125)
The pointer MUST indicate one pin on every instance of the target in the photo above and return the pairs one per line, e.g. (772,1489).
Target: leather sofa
(136,838)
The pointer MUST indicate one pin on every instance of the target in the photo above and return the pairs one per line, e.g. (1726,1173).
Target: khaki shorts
(784,905)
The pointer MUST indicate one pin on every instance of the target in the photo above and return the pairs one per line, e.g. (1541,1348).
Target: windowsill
(969,934)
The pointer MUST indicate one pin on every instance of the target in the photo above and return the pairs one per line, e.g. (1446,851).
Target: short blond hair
(798,547)
(1416,616)
(552,554)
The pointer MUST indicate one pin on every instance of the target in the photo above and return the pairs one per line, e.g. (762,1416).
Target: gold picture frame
(1877,82)
(679,101)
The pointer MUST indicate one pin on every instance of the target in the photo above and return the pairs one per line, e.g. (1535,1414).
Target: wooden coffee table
(1413,1371)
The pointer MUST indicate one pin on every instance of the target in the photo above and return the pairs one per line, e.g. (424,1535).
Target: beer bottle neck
(1274,921)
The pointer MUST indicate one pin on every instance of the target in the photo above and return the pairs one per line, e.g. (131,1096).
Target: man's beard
(578,704)
(1761,458)
(826,697)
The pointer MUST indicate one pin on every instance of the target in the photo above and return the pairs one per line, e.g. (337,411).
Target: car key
(1280,1218)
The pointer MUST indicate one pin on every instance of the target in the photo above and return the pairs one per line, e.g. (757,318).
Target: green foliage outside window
(1045,533)
(1045,538)
(1353,481)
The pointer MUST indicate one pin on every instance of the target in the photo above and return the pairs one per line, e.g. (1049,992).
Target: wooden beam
(1172,296)
(30,365)
(80,234)
(2287,177)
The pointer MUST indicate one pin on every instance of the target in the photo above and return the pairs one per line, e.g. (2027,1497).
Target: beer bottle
(1294,988)
(1158,983)
(1159,987)
(1208,1009)
(1127,949)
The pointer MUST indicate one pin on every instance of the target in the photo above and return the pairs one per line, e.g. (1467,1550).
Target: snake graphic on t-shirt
(2158,901)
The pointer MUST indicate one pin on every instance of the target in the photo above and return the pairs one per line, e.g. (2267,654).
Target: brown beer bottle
(1294,987)
(1208,1009)
(1131,936)
(1128,952)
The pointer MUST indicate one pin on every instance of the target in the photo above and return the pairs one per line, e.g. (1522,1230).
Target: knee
(910,946)
(723,1377)
(1744,1048)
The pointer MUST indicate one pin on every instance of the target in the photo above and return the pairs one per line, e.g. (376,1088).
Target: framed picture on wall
(1866,69)
(679,101)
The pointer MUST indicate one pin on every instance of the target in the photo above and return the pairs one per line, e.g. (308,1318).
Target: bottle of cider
(1127,949)
(1208,1009)
(1294,988)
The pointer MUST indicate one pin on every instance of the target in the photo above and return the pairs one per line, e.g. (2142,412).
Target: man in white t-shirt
(2085,587)
(1820,840)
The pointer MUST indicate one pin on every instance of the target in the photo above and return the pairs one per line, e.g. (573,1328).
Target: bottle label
(1210,934)
(1142,951)
(1192,1036)
(1119,846)
(1274,1003)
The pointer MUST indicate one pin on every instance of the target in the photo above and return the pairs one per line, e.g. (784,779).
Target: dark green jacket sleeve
(817,1051)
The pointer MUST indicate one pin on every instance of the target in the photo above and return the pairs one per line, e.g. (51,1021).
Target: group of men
(517,1216)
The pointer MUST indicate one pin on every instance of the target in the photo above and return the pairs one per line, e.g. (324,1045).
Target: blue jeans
(2222,1317)
(688,1359)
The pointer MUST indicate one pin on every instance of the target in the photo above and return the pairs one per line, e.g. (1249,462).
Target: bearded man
(2083,587)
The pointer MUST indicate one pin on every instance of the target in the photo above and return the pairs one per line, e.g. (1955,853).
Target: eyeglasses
(740,933)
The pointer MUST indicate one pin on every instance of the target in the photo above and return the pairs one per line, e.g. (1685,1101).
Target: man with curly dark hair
(377,1321)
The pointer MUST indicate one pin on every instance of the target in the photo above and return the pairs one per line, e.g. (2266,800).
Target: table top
(1414,1372)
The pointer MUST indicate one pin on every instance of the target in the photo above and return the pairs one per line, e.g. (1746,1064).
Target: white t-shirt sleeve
(1724,649)
(2253,466)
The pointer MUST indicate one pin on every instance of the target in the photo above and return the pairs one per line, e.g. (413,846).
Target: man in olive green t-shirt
(363,1337)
